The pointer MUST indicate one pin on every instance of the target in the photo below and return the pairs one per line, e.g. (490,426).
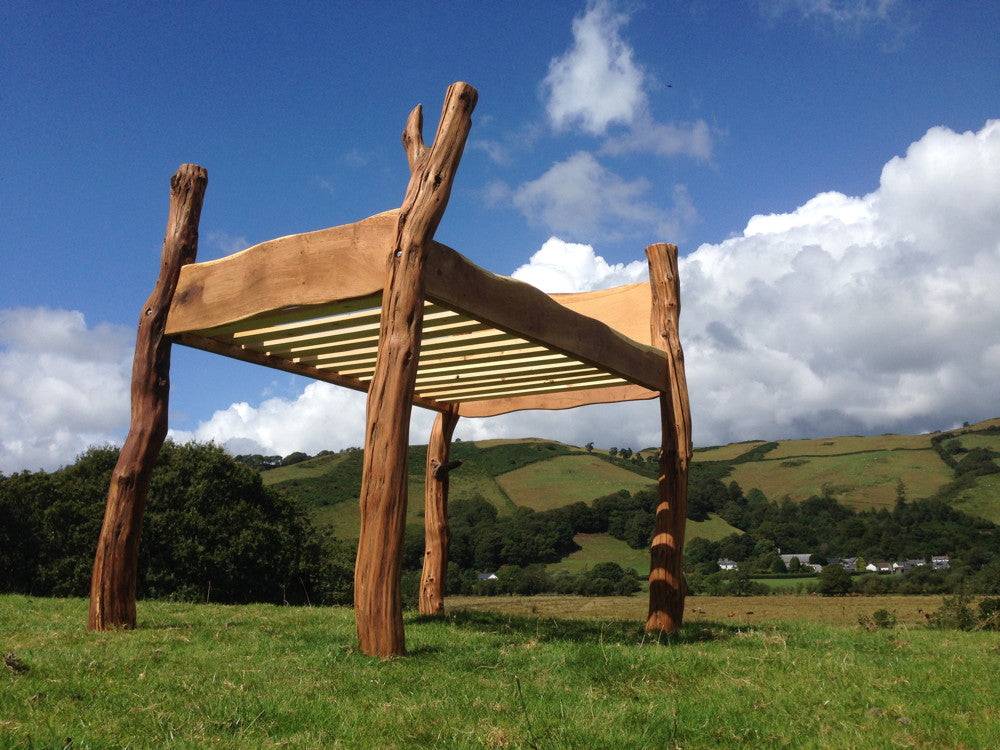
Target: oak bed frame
(379,306)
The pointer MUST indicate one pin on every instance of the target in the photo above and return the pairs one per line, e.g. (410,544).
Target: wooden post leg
(377,605)
(432,579)
(113,584)
(666,570)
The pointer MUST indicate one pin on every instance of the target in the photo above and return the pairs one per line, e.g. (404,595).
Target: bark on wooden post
(378,609)
(666,572)
(113,584)
(432,579)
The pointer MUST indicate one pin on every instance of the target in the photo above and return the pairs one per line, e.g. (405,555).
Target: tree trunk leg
(666,570)
(432,579)
(382,501)
(113,583)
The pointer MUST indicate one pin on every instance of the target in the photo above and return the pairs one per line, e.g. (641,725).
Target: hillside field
(212,676)
(860,472)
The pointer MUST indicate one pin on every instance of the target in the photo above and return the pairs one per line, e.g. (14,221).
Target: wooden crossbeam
(500,384)
(541,389)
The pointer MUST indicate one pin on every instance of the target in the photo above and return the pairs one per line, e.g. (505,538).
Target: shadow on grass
(576,631)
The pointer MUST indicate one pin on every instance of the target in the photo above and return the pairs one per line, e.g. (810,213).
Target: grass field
(742,610)
(983,499)
(849,444)
(864,480)
(261,676)
(726,452)
(567,479)
(991,442)
(598,548)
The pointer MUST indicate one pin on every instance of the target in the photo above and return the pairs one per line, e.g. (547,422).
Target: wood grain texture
(666,570)
(377,603)
(300,270)
(432,578)
(113,582)
(555,401)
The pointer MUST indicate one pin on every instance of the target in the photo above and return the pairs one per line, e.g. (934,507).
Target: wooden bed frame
(381,307)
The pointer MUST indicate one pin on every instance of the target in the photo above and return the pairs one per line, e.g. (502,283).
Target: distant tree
(834,581)
(589,447)
(294,458)
(794,565)
(816,559)
(626,453)
(613,452)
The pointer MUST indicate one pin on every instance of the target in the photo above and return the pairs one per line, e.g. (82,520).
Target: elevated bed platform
(381,307)
(311,304)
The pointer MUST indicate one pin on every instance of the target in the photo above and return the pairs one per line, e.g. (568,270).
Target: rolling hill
(860,472)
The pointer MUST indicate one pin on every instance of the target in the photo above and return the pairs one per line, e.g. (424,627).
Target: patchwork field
(849,444)
(726,452)
(262,676)
(861,480)
(567,479)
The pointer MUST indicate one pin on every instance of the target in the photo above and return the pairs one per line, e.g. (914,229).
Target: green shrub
(880,619)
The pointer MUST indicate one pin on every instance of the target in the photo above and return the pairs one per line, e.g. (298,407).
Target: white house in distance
(727,564)
(879,567)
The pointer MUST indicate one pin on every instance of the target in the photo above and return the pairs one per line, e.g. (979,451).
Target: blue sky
(715,112)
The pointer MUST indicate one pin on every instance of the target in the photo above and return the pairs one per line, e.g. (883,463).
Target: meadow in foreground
(266,676)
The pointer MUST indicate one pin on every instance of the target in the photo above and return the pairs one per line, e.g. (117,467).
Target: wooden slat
(256,333)
(540,389)
(278,363)
(547,356)
(323,361)
(567,365)
(460,379)
(444,320)
(527,312)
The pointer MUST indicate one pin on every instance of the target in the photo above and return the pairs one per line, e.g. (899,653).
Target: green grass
(860,481)
(567,479)
(970,441)
(598,548)
(261,676)
(982,499)
(725,452)
(849,444)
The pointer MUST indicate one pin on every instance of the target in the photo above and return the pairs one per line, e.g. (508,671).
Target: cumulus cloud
(560,266)
(63,386)
(848,314)
(597,85)
(322,417)
(597,82)
(580,197)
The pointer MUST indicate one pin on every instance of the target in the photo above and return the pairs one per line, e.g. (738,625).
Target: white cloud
(597,82)
(227,243)
(835,11)
(597,85)
(63,386)
(560,266)
(849,314)
(579,197)
(663,139)
(322,417)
